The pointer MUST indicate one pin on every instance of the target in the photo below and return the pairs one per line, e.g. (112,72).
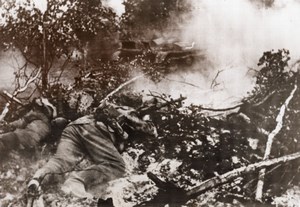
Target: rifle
(109,111)
(147,109)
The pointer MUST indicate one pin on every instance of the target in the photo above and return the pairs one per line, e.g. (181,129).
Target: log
(227,177)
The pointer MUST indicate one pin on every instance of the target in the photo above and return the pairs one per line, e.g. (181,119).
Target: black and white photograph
(149,103)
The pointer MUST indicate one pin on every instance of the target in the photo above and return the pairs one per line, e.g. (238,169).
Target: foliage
(151,15)
(205,146)
(44,36)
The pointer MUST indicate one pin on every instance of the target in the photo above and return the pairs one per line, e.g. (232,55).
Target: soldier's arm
(23,121)
(145,126)
(128,115)
(19,123)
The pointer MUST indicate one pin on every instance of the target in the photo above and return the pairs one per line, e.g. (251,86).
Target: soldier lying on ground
(28,131)
(96,137)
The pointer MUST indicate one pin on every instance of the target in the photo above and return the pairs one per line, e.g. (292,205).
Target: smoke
(10,61)
(41,5)
(237,32)
(233,34)
(116,5)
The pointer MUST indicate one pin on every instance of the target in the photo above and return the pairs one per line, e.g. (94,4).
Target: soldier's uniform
(86,137)
(28,131)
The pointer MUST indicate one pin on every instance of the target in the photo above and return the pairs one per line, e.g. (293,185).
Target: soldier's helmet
(131,99)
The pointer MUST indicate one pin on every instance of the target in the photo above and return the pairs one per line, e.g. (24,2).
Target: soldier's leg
(27,138)
(107,161)
(68,156)
(8,141)
(96,178)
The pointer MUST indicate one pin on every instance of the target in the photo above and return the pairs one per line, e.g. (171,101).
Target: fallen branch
(183,82)
(279,120)
(227,177)
(239,105)
(223,109)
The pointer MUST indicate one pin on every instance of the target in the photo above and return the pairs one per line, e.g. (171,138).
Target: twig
(227,177)
(214,81)
(183,82)
(62,68)
(264,99)
(255,179)
(252,69)
(159,96)
(279,120)
(20,90)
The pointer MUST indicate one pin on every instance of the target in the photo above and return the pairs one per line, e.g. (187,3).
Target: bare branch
(238,105)
(62,68)
(183,82)
(223,109)
(279,120)
(214,81)
(20,90)
(159,96)
(264,99)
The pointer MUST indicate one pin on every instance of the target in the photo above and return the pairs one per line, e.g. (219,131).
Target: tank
(161,51)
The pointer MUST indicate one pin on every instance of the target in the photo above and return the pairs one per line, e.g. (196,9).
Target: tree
(43,37)
(151,15)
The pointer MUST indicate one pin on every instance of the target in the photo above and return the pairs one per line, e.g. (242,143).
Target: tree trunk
(45,65)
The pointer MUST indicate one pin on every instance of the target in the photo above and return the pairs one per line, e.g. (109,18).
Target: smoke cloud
(10,61)
(233,34)
(237,32)
(116,5)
